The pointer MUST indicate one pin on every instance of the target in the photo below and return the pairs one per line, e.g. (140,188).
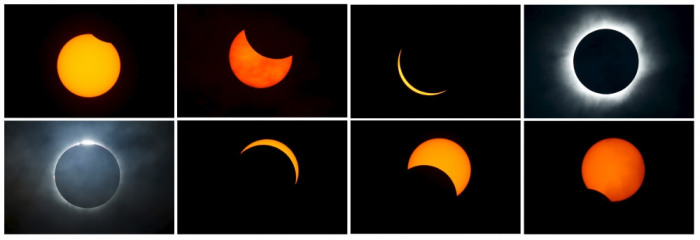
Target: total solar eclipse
(606,61)
(87,175)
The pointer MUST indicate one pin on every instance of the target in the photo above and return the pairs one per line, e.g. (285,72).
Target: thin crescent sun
(280,146)
(254,69)
(403,78)
(446,155)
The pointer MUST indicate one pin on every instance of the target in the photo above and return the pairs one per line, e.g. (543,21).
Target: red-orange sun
(254,69)
(613,167)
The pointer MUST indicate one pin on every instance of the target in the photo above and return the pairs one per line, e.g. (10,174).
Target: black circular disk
(606,61)
(87,175)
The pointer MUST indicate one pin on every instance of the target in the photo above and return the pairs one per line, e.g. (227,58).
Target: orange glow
(281,147)
(613,167)
(253,69)
(447,156)
(87,66)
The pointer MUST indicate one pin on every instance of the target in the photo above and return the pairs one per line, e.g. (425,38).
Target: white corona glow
(53,177)
(591,23)
(88,142)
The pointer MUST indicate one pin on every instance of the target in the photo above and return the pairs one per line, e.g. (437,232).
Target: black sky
(143,202)
(473,52)
(388,198)
(143,36)
(315,35)
(666,90)
(557,201)
(223,191)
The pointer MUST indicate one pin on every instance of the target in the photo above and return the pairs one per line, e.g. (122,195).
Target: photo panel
(435,61)
(609,61)
(609,177)
(89,177)
(262,60)
(263,177)
(435,177)
(89,61)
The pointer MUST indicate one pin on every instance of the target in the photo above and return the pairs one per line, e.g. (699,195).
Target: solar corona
(87,174)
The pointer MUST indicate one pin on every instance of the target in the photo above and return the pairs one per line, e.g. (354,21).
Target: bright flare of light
(613,167)
(87,66)
(591,23)
(398,63)
(87,142)
(447,156)
(253,69)
(281,147)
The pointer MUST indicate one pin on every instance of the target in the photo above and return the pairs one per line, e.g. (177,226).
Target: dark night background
(315,35)
(387,198)
(143,203)
(557,200)
(666,91)
(223,191)
(473,52)
(143,36)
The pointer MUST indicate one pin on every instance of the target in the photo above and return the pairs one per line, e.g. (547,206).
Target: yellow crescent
(281,147)
(446,155)
(409,85)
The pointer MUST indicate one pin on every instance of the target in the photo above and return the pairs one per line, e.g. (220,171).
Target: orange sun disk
(87,66)
(613,167)
(446,155)
(253,69)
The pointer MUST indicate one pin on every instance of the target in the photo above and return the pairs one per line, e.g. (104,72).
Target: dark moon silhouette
(430,181)
(606,61)
(87,175)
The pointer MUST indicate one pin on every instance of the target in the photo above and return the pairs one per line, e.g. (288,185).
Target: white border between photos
(348,120)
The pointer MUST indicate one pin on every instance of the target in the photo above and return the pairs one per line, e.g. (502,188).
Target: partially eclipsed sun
(447,156)
(87,66)
(253,69)
(280,146)
(403,78)
(613,167)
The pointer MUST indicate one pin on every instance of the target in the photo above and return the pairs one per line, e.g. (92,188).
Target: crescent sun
(403,78)
(280,146)
(254,69)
